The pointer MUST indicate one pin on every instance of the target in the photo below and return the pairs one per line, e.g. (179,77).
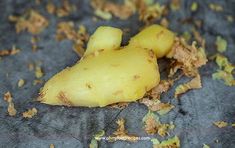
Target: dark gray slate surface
(74,127)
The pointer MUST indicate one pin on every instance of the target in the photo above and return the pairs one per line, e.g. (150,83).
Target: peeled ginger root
(108,73)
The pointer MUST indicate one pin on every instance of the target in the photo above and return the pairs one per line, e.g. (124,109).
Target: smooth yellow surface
(104,38)
(110,77)
(108,73)
(156,38)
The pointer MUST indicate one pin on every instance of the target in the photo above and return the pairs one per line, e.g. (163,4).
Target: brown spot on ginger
(64,99)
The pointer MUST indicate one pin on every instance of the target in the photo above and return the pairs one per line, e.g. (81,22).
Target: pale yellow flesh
(156,38)
(109,74)
(113,76)
(105,38)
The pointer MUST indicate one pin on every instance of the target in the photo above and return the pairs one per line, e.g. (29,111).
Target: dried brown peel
(36,82)
(51,8)
(6,52)
(164,22)
(121,11)
(120,105)
(195,83)
(162,87)
(11,109)
(105,9)
(149,13)
(66,30)
(152,125)
(30,113)
(66,9)
(31,21)
(157,105)
(188,58)
(175,5)
(121,133)
(34,41)
(199,38)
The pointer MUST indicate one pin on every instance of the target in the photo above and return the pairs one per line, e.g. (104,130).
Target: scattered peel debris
(105,9)
(6,52)
(21,82)
(36,82)
(93,144)
(38,2)
(225,71)
(38,72)
(216,7)
(175,5)
(52,146)
(194,6)
(220,124)
(164,22)
(96,138)
(221,44)
(198,23)
(199,38)
(31,21)
(150,12)
(11,109)
(162,87)
(121,133)
(157,105)
(153,125)
(225,76)
(34,41)
(152,99)
(187,36)
(103,15)
(30,113)
(66,30)
(188,58)
(205,146)
(230,18)
(31,66)
(50,7)
(169,143)
(120,105)
(195,83)
(65,10)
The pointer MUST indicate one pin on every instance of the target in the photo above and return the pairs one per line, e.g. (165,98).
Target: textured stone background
(74,127)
